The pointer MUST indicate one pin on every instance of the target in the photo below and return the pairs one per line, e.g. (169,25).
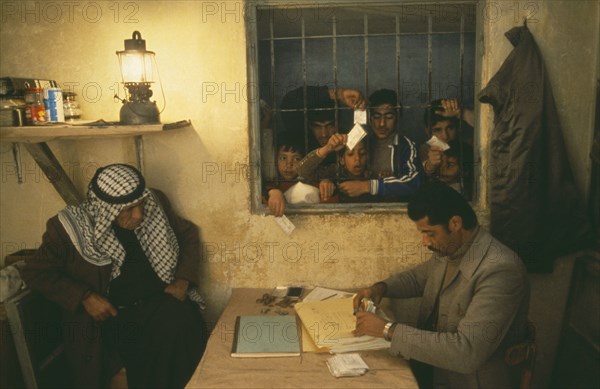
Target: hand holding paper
(369,324)
(285,224)
(355,136)
(435,141)
(360,116)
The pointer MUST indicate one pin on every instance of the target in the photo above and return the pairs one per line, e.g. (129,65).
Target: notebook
(266,336)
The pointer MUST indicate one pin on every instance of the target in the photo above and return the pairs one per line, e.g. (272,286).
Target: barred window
(303,57)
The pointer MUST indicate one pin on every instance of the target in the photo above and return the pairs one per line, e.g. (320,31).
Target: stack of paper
(347,365)
(360,343)
(321,294)
(328,325)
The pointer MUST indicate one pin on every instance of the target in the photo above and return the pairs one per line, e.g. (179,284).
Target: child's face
(287,163)
(449,169)
(323,131)
(444,130)
(355,161)
(383,121)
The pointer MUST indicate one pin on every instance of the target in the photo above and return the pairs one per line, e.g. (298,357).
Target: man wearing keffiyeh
(123,266)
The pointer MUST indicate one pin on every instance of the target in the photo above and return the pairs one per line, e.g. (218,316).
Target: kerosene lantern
(138,66)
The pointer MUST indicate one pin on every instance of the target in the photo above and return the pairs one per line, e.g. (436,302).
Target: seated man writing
(123,267)
(475,298)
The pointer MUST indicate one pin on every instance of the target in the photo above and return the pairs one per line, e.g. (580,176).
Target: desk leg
(46,160)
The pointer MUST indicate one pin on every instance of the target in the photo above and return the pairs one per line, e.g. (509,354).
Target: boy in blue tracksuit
(393,157)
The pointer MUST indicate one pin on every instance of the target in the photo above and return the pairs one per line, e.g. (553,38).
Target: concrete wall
(201,45)
(567,33)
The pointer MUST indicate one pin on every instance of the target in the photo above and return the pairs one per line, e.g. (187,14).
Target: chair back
(523,354)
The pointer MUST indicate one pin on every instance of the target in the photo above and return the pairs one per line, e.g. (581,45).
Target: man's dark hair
(287,141)
(322,112)
(439,203)
(385,96)
(430,117)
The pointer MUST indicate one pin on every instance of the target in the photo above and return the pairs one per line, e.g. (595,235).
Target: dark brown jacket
(536,209)
(63,276)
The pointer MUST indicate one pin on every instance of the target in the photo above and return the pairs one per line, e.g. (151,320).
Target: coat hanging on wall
(535,206)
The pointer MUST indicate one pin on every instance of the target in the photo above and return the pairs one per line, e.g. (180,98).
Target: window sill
(339,209)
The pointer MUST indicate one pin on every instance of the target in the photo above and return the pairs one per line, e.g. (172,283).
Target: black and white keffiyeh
(89,225)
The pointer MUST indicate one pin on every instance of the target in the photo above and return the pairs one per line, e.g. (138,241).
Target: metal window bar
(335,86)
(335,80)
(429,57)
(274,97)
(366,40)
(427,104)
(284,38)
(460,99)
(398,61)
(304,86)
(334,36)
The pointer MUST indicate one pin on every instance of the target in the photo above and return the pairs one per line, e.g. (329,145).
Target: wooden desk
(218,369)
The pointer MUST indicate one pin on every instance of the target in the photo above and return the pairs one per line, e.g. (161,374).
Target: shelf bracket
(139,152)
(46,160)
(16,151)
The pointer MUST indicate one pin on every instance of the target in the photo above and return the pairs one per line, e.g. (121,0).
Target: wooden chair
(523,354)
(37,332)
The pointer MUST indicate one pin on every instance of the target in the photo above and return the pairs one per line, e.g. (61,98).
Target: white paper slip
(347,365)
(286,225)
(435,141)
(360,116)
(322,294)
(361,343)
(355,136)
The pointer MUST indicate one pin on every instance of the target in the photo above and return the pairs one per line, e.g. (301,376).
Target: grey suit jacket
(482,311)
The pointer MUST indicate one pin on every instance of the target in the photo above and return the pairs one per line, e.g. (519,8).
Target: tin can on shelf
(12,112)
(53,101)
(71,106)
(35,110)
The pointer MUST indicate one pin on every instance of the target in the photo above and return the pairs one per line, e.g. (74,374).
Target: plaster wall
(201,51)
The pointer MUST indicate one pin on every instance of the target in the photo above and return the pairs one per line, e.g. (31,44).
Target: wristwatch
(386,330)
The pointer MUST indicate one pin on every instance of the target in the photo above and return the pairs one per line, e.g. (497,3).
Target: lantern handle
(136,35)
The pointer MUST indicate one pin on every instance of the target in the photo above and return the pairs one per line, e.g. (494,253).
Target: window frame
(255,179)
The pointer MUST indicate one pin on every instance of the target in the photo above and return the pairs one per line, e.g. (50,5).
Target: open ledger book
(327,326)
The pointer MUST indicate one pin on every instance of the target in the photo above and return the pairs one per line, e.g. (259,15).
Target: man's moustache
(434,249)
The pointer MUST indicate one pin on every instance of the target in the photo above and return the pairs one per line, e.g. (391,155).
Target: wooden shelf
(46,133)
(34,139)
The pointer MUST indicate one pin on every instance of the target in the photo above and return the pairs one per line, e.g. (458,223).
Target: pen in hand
(328,297)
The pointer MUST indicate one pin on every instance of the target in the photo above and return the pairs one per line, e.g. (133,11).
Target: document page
(327,321)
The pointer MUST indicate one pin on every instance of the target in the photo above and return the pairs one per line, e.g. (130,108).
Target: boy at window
(321,115)
(321,163)
(393,157)
(354,164)
(289,153)
(453,165)
(320,105)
